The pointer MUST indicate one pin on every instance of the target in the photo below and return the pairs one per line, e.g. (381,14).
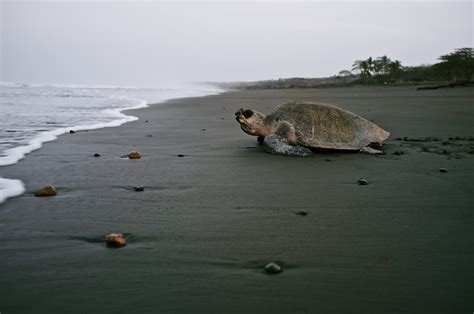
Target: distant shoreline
(330,82)
(454,69)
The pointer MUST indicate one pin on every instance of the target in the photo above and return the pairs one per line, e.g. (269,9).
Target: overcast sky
(154,43)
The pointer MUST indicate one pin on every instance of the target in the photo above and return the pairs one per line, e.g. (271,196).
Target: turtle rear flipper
(371,151)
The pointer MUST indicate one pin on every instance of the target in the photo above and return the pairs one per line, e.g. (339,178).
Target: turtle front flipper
(275,145)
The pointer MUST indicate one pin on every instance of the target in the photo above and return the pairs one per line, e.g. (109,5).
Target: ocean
(32,114)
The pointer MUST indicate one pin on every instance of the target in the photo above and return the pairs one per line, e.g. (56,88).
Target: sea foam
(33,114)
(10,188)
(13,155)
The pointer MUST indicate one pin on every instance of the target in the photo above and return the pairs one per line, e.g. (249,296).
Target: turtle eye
(248,113)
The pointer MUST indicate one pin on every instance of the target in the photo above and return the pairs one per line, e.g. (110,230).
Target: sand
(206,224)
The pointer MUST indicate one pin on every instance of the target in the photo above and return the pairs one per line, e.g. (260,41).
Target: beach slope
(216,208)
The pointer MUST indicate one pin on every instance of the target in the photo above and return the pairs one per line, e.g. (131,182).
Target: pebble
(443,170)
(96,155)
(47,190)
(139,188)
(273,268)
(115,240)
(72,131)
(180,155)
(134,155)
(399,152)
(301,213)
(363,181)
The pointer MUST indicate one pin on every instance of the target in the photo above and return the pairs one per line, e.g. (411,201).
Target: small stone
(146,121)
(273,268)
(47,190)
(180,155)
(398,152)
(72,131)
(363,181)
(301,213)
(139,188)
(96,155)
(134,155)
(149,135)
(203,130)
(115,240)
(444,170)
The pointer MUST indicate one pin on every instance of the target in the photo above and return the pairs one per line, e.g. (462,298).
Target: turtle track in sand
(451,147)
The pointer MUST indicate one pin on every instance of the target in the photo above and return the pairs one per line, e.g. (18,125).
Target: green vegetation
(377,70)
(453,67)
(456,68)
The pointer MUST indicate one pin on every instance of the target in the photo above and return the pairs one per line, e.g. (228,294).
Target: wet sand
(206,223)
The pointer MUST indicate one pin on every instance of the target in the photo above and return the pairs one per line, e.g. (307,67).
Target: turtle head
(252,122)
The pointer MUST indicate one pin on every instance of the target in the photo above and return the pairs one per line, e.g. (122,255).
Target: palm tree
(344,73)
(395,67)
(363,67)
(382,65)
(370,65)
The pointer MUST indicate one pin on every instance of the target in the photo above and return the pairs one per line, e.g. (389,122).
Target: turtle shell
(329,127)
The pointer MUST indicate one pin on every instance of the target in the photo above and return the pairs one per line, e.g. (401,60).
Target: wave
(10,188)
(16,84)
(192,86)
(13,155)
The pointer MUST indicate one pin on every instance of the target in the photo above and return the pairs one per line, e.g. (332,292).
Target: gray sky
(154,43)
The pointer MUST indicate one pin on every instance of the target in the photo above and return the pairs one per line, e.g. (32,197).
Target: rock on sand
(273,268)
(134,155)
(47,190)
(115,240)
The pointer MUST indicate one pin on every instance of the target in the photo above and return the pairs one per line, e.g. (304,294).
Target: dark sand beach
(201,232)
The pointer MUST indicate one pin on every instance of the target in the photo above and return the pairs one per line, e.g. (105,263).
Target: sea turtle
(299,128)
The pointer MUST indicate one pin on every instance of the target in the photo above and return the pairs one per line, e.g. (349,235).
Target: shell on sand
(329,127)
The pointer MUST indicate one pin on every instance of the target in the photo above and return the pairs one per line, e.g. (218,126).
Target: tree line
(455,66)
